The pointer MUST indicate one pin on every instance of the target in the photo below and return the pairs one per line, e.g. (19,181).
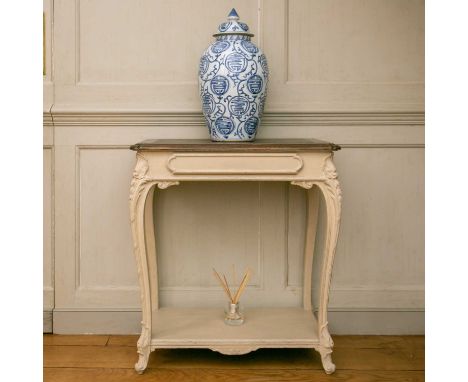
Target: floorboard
(111,358)
(246,375)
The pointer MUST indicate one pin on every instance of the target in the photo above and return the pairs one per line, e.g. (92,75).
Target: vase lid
(233,26)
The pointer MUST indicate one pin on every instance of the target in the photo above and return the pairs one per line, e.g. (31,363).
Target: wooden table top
(259,145)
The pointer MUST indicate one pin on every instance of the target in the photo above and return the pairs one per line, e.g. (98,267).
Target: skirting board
(47,321)
(341,322)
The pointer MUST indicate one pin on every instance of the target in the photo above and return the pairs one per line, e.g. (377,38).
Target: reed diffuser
(233,314)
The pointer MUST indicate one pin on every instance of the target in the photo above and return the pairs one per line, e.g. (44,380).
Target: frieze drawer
(239,163)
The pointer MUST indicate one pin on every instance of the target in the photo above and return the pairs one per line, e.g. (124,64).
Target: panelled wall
(48,171)
(120,71)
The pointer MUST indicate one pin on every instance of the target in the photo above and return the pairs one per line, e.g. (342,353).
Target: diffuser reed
(233,314)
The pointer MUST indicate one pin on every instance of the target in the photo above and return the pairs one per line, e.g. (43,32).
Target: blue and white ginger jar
(233,80)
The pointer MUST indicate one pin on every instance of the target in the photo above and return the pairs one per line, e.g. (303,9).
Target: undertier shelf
(205,327)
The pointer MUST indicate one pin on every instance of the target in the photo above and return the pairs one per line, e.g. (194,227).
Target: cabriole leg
(331,191)
(330,188)
(139,190)
(141,216)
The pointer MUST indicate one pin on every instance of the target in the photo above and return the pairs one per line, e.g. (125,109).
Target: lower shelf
(205,328)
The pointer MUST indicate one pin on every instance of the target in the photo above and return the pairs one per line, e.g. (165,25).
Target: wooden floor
(111,358)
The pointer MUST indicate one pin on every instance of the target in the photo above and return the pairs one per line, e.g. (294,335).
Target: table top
(259,145)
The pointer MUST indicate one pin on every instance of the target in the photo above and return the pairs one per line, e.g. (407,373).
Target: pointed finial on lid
(233,26)
(233,15)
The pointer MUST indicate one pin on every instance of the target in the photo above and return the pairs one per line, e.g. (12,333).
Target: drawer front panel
(266,163)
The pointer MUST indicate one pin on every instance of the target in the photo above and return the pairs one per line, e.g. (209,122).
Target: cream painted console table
(304,163)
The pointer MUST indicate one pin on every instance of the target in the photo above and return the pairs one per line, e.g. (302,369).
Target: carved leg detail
(327,363)
(143,358)
(144,349)
(140,188)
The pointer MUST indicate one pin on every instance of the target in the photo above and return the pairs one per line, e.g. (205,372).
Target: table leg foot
(143,357)
(327,363)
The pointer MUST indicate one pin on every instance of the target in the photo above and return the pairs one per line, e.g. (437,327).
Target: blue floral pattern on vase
(233,79)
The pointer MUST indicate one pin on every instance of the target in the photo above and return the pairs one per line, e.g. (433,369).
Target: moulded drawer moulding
(180,164)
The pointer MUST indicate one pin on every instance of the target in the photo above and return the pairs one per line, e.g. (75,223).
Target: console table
(165,163)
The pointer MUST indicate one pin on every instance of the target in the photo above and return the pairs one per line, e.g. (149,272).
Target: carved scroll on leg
(327,363)
(143,348)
